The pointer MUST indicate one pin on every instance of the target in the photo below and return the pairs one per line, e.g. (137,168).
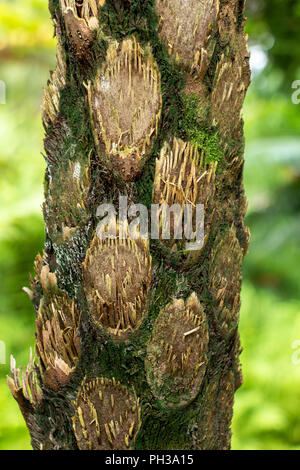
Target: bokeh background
(267,407)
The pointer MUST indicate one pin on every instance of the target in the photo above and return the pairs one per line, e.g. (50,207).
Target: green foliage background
(266,408)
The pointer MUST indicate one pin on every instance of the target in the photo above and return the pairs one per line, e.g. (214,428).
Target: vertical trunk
(137,340)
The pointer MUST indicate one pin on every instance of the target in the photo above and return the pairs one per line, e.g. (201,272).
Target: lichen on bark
(139,109)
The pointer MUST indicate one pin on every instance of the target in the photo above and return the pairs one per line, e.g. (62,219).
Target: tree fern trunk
(137,340)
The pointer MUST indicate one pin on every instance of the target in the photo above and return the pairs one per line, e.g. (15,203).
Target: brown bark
(137,341)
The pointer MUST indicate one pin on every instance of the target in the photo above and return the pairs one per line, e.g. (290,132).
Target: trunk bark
(137,340)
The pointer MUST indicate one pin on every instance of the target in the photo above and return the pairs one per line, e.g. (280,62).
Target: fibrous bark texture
(137,343)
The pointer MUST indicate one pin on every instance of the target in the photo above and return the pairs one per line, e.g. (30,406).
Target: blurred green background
(267,406)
